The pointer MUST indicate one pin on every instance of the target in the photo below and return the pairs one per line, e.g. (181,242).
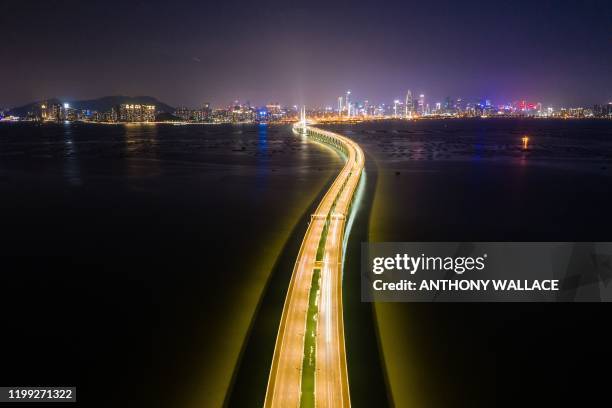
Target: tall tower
(348,104)
(421,104)
(340,107)
(409,104)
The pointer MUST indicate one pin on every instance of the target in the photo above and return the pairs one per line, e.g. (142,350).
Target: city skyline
(420,99)
(117,109)
(555,52)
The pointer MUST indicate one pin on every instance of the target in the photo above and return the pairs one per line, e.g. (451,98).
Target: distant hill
(101,104)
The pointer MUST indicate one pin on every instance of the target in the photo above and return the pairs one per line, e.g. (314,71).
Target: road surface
(331,378)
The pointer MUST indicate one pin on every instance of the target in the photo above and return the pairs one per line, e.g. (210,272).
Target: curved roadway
(331,377)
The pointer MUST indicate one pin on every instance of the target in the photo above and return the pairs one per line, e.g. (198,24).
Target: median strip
(307,399)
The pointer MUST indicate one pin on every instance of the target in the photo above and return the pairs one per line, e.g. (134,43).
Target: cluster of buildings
(418,106)
(413,106)
(238,113)
(138,113)
(62,112)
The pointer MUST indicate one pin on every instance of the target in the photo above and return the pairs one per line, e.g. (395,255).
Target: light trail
(331,375)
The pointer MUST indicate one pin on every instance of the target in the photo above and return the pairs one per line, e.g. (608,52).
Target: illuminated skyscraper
(448,105)
(421,107)
(459,106)
(409,104)
(347,103)
(340,106)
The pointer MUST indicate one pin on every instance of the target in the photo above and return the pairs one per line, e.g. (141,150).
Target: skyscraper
(348,104)
(421,108)
(409,104)
(448,105)
(459,105)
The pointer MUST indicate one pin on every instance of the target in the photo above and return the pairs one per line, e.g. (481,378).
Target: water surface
(153,243)
(470,180)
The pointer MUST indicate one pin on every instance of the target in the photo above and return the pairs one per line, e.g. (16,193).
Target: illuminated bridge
(309,364)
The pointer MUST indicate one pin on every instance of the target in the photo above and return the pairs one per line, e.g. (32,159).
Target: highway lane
(331,378)
(332,389)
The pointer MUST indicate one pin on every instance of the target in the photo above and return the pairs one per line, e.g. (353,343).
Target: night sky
(189,52)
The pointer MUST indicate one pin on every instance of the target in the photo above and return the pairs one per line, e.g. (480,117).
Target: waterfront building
(242,113)
(189,115)
(128,112)
(275,112)
(53,112)
(183,113)
(603,111)
(69,113)
(206,112)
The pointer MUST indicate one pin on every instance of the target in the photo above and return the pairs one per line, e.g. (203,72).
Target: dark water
(471,181)
(155,242)
(153,245)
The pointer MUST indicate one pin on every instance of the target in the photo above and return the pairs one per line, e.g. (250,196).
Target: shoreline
(323,121)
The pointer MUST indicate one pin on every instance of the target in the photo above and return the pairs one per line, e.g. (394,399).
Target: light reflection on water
(262,157)
(141,144)
(72,171)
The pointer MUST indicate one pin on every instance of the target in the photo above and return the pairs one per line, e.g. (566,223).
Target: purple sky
(189,52)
